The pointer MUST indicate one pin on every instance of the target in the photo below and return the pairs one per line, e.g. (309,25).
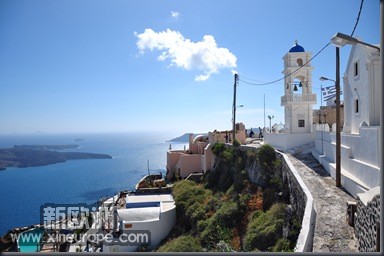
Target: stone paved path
(332,232)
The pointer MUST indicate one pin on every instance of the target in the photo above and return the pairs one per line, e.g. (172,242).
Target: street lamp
(270,119)
(338,137)
(340,39)
(326,79)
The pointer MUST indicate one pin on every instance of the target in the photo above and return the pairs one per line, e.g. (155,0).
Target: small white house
(141,220)
(360,149)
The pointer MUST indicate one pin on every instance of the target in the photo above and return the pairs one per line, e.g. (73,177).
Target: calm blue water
(24,190)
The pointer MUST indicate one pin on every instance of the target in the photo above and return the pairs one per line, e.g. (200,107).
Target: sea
(24,190)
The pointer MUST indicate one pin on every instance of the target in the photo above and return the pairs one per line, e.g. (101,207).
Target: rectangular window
(356,106)
(356,69)
(301,123)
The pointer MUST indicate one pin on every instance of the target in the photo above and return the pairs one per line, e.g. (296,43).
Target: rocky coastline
(22,156)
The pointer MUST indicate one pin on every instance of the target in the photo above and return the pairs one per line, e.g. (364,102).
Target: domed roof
(297,48)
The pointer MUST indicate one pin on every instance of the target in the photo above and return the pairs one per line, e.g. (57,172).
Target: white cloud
(204,55)
(175,14)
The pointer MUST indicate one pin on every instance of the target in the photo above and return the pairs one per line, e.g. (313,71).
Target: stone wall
(297,196)
(301,200)
(367,220)
(302,204)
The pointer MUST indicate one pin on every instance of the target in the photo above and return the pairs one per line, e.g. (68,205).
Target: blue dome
(297,48)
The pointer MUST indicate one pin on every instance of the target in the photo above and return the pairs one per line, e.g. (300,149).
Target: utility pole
(338,139)
(234,109)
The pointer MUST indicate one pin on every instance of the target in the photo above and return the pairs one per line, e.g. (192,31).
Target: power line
(358,17)
(293,72)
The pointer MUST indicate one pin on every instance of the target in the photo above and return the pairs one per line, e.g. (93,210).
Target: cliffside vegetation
(230,212)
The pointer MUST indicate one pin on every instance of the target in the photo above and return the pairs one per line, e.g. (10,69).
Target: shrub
(266,156)
(185,243)
(265,228)
(228,214)
(282,245)
(213,232)
(218,148)
(191,201)
(236,143)
(219,226)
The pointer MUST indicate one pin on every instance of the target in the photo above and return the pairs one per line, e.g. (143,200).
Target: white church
(360,149)
(298,101)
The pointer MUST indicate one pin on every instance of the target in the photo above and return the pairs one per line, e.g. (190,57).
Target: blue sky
(103,66)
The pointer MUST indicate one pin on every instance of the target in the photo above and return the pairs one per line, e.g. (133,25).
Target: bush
(213,232)
(266,157)
(184,243)
(219,226)
(265,228)
(193,202)
(228,214)
(236,143)
(282,245)
(218,148)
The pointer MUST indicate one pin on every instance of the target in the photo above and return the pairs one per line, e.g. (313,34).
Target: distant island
(47,147)
(79,139)
(39,155)
(184,138)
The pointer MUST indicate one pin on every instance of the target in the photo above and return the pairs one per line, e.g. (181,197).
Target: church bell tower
(298,98)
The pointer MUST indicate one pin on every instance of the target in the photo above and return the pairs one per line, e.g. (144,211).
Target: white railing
(298,98)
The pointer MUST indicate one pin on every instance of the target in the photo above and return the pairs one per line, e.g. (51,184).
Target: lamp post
(270,119)
(338,137)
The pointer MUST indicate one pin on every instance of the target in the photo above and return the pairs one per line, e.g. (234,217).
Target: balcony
(297,99)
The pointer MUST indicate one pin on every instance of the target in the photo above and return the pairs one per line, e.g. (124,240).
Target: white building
(141,219)
(298,101)
(360,149)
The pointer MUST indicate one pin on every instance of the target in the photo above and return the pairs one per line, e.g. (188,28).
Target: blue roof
(297,48)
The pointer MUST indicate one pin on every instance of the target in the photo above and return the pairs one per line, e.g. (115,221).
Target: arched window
(299,62)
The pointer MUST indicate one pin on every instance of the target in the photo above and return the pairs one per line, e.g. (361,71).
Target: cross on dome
(297,48)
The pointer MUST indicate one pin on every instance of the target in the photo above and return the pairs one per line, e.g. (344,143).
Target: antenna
(148,165)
